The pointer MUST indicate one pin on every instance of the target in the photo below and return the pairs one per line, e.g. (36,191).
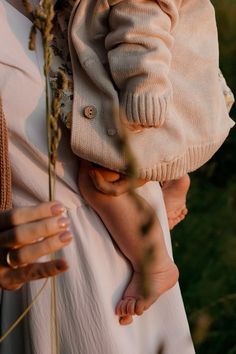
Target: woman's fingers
(27,234)
(12,279)
(19,216)
(32,232)
(30,253)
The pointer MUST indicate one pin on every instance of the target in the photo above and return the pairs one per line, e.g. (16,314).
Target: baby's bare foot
(133,303)
(174,193)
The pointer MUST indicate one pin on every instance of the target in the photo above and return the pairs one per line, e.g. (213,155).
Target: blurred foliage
(205,244)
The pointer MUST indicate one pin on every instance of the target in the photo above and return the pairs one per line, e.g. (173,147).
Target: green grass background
(205,244)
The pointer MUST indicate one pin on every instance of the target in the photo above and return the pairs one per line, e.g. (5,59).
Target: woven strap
(5,169)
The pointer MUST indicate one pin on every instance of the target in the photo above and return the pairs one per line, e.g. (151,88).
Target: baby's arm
(139,52)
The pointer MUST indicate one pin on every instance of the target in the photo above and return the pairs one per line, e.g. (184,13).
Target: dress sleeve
(139,52)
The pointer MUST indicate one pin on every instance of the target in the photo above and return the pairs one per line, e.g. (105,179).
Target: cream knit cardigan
(157,63)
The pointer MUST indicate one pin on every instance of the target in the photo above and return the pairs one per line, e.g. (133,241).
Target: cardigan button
(111,131)
(90,112)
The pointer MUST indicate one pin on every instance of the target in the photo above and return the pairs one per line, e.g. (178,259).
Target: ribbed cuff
(147,110)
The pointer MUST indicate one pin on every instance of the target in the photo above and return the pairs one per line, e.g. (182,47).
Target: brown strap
(5,169)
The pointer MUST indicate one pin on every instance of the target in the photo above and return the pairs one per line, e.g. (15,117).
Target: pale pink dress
(98,274)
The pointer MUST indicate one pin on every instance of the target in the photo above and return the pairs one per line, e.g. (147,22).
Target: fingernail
(57,209)
(65,236)
(63,222)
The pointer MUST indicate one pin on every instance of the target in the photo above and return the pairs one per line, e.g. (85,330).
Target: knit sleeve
(139,53)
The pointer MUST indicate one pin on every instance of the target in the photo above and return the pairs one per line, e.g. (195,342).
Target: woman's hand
(110,182)
(27,234)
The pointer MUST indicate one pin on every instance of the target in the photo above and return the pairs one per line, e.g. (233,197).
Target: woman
(89,290)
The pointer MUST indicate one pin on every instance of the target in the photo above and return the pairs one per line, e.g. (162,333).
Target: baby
(123,220)
(150,47)
(139,67)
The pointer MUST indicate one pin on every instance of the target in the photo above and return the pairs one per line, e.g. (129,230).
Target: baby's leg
(123,219)
(174,193)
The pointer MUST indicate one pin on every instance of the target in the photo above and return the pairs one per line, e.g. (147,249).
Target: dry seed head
(28,6)
(147,260)
(148,223)
(55,104)
(161,349)
(53,123)
(32,38)
(62,81)
(40,14)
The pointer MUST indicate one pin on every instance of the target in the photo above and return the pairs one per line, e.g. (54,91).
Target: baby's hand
(111,182)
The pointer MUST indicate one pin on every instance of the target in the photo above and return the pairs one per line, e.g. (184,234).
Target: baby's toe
(119,308)
(185,211)
(123,307)
(125,320)
(178,219)
(131,306)
(139,307)
(172,223)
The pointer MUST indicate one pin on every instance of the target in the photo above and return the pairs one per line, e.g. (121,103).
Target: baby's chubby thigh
(152,193)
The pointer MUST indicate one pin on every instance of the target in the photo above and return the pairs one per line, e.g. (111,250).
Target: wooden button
(90,112)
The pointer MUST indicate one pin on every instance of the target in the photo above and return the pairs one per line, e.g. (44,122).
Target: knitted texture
(5,170)
(150,65)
